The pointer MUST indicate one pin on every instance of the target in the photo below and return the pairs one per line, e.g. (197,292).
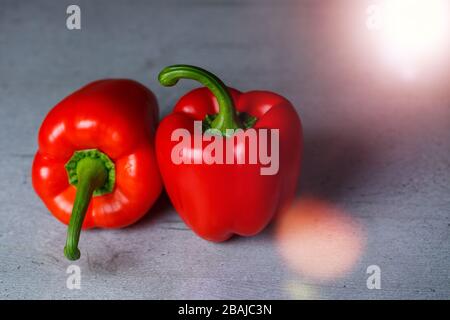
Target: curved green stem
(91,174)
(227,117)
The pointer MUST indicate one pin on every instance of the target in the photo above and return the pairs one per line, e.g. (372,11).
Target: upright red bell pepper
(99,142)
(219,200)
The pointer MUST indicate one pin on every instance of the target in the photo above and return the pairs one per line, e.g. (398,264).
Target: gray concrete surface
(376,146)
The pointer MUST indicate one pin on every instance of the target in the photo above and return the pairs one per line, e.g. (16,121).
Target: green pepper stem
(227,117)
(92,174)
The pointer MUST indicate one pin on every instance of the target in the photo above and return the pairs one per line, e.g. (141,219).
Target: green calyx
(247,120)
(72,165)
(227,118)
(93,174)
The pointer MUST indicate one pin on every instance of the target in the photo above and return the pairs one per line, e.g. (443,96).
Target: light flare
(318,240)
(414,33)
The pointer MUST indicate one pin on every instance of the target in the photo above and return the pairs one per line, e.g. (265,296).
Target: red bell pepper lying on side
(98,142)
(219,200)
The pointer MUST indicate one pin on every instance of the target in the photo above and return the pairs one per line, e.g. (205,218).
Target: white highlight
(412,32)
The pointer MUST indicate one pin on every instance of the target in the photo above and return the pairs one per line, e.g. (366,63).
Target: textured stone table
(377,151)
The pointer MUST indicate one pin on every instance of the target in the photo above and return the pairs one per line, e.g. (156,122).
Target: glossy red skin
(118,117)
(219,200)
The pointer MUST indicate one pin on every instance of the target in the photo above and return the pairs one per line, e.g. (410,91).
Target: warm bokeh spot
(318,240)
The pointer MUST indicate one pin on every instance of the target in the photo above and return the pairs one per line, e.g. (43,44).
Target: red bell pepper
(219,200)
(99,142)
